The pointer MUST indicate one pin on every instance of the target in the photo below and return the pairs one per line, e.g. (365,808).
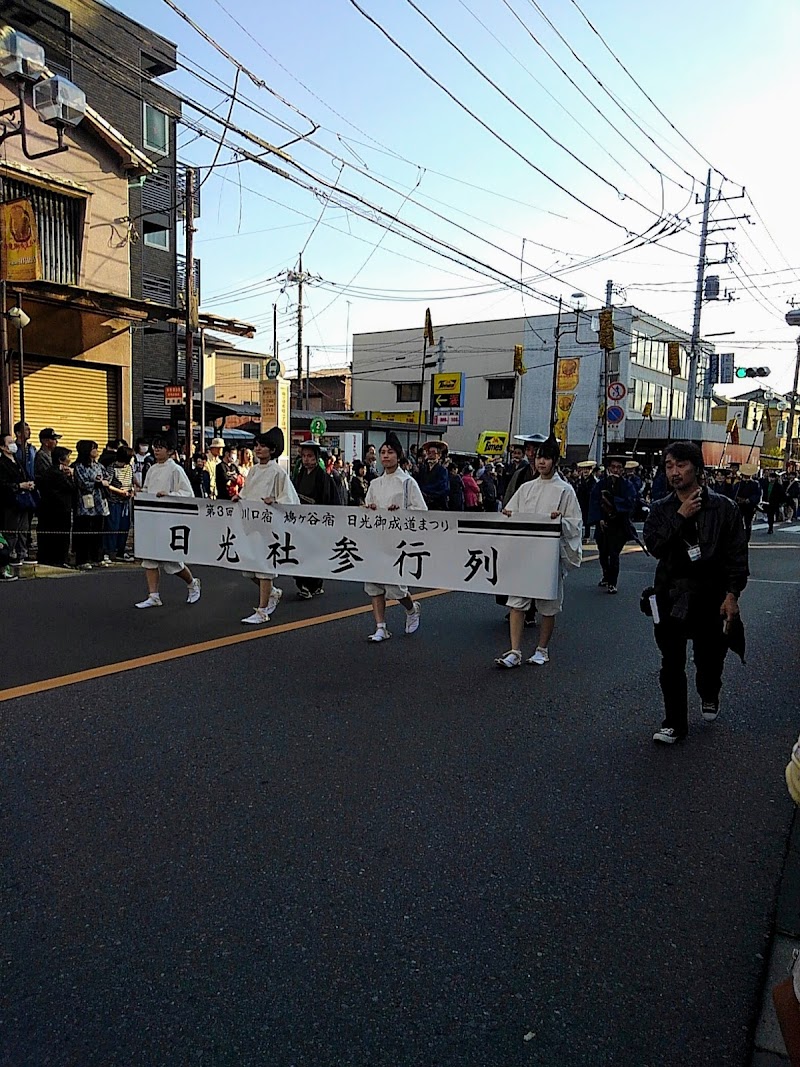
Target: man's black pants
(609,545)
(704,630)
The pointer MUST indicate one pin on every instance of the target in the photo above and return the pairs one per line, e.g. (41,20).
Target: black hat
(393,441)
(615,457)
(49,434)
(273,439)
(549,449)
(314,445)
(530,438)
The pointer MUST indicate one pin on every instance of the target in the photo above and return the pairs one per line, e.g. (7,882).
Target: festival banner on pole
(20,254)
(569,371)
(517,556)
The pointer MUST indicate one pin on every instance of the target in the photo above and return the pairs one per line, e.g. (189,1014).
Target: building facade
(117,61)
(71,366)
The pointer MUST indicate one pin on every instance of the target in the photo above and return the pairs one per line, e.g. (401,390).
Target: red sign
(173,395)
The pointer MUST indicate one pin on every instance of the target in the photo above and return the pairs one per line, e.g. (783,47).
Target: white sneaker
(540,657)
(153,601)
(274,600)
(194,591)
(259,616)
(381,634)
(412,619)
(105,561)
(510,659)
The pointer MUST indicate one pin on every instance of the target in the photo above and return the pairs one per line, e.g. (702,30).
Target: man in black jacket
(314,486)
(699,540)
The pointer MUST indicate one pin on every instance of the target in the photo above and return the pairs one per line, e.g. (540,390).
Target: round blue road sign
(615,414)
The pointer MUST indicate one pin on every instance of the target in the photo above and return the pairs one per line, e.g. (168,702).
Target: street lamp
(56,100)
(578,304)
(17,317)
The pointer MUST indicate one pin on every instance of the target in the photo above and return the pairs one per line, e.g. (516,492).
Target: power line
(485,125)
(643,91)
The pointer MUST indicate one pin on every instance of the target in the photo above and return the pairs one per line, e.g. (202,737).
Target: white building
(388,377)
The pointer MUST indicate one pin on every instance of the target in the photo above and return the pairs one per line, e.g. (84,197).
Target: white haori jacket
(541,496)
(399,489)
(169,478)
(269,480)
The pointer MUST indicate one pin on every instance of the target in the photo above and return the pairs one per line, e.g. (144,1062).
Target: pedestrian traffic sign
(615,414)
(273,369)
(616,391)
(318,426)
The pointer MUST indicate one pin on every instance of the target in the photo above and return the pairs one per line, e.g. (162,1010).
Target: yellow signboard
(647,410)
(568,375)
(447,383)
(20,257)
(492,443)
(407,418)
(276,409)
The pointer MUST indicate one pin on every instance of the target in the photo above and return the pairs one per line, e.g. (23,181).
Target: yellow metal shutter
(78,400)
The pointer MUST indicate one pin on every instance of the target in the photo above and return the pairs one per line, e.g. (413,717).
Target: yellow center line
(168,654)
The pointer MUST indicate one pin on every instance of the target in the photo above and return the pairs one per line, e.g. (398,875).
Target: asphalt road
(304,849)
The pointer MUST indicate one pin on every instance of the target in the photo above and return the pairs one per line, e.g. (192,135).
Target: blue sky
(724,74)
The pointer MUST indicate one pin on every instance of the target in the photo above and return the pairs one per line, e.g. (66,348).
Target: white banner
(471,552)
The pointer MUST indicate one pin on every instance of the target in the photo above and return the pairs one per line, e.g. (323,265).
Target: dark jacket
(435,484)
(11,474)
(620,495)
(58,492)
(358,491)
(747,494)
(681,585)
(524,474)
(774,494)
(456,492)
(315,487)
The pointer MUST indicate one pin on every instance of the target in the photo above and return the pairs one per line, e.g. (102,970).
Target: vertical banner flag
(428,334)
(20,255)
(275,411)
(519,360)
(568,376)
(564,403)
(647,413)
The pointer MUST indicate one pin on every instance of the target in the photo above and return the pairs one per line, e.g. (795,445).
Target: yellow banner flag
(519,364)
(20,256)
(428,334)
(564,404)
(647,412)
(568,375)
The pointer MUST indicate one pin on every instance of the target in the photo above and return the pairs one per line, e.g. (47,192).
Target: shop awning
(125,307)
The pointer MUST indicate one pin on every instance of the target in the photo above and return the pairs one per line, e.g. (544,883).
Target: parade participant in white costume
(393,490)
(270,484)
(166,478)
(546,495)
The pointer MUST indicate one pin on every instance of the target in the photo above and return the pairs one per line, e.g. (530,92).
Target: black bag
(27,499)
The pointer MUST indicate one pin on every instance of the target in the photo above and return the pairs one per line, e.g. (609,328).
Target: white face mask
(12,448)
(143,450)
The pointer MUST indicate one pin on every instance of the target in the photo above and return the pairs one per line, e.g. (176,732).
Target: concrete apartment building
(388,378)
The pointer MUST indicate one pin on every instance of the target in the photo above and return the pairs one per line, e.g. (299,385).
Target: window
(156,129)
(59,220)
(251,370)
(155,236)
(501,388)
(409,392)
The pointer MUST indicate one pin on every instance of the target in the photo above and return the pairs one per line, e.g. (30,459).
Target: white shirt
(269,480)
(398,488)
(169,478)
(545,495)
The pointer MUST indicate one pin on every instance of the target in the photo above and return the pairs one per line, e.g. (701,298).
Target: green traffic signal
(741,372)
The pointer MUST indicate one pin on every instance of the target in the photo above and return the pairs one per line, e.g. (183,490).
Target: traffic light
(753,372)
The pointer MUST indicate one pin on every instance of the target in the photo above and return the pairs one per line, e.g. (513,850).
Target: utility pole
(275,330)
(702,263)
(308,378)
(300,334)
(440,355)
(300,277)
(691,385)
(191,312)
(787,455)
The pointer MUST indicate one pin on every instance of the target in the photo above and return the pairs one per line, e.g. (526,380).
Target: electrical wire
(643,91)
